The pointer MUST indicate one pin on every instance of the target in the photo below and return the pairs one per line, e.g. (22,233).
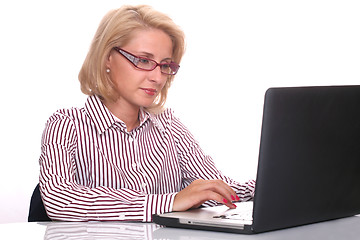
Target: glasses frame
(133,57)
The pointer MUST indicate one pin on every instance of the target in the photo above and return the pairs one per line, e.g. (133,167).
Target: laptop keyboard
(243,212)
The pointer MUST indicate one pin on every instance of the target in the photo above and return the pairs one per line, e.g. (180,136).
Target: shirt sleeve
(196,164)
(66,200)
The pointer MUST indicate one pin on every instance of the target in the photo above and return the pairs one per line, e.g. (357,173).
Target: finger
(220,192)
(210,195)
(222,188)
(217,186)
(200,191)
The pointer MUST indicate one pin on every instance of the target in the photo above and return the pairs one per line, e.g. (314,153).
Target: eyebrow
(150,55)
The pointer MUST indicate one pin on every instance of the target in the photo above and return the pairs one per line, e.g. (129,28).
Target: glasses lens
(170,68)
(174,67)
(146,64)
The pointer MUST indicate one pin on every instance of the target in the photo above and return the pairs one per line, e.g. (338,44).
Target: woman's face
(138,88)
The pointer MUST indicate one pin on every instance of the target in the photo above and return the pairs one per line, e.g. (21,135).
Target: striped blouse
(92,168)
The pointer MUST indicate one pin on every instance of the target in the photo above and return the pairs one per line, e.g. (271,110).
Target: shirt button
(122,216)
(134,165)
(143,185)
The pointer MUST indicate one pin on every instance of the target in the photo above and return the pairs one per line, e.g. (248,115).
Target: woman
(122,156)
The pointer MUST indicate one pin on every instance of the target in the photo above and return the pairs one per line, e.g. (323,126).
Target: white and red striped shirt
(92,168)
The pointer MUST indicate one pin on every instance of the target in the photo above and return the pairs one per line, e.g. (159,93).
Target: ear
(108,61)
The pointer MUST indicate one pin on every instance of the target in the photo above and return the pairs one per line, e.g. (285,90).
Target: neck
(127,113)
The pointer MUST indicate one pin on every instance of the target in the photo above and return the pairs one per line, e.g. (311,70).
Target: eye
(143,61)
(174,67)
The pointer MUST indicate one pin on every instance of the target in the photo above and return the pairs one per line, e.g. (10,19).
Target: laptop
(308,166)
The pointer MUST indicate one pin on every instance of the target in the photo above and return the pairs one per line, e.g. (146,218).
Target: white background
(235,50)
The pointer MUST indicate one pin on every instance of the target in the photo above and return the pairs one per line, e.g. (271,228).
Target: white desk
(347,228)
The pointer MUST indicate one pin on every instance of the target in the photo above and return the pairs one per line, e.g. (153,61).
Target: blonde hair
(115,30)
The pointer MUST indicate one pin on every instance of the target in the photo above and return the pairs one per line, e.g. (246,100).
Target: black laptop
(308,169)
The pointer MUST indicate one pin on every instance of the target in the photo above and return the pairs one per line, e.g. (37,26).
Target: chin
(146,104)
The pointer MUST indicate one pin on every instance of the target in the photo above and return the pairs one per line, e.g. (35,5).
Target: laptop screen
(309,159)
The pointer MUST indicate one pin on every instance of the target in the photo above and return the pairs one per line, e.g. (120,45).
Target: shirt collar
(104,119)
(99,114)
(155,120)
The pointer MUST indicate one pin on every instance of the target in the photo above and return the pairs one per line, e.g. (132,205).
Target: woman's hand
(200,191)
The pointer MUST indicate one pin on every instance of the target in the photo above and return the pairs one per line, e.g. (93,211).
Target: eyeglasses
(168,68)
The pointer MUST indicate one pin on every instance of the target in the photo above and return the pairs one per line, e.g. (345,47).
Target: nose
(157,76)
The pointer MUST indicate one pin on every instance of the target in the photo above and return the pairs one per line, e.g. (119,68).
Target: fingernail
(232,197)
(237,198)
(224,200)
(234,205)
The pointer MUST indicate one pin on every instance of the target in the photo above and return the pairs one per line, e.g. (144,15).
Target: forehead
(153,42)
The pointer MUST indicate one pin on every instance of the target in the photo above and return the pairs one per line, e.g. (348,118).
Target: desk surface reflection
(347,228)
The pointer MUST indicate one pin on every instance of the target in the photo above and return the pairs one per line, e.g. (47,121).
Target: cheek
(164,83)
(115,78)
(167,81)
(120,75)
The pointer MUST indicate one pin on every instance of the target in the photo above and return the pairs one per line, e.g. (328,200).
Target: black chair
(37,211)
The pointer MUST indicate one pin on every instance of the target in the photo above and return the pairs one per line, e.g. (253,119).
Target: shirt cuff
(157,204)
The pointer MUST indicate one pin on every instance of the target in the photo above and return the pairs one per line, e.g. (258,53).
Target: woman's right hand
(200,191)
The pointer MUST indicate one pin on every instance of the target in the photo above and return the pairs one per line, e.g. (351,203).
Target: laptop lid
(309,160)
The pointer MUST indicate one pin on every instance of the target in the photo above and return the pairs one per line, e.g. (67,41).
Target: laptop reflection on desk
(309,164)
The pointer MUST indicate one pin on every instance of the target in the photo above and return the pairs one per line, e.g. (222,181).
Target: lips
(149,91)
